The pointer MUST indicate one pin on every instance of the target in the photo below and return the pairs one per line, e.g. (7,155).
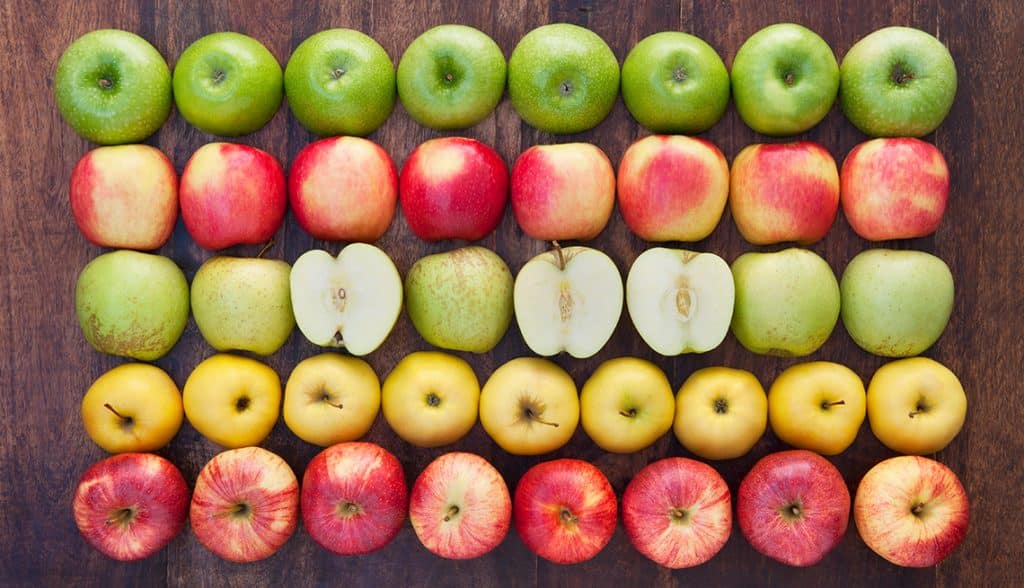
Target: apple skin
(232,194)
(721,412)
(343,189)
(134,407)
(131,505)
(453,188)
(817,405)
(231,400)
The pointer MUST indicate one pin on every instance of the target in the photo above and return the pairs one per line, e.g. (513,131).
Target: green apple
(562,78)
(340,82)
(784,79)
(228,84)
(897,82)
(132,304)
(674,83)
(113,87)
(451,77)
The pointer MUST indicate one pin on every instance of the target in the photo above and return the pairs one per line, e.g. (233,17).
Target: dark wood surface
(46,364)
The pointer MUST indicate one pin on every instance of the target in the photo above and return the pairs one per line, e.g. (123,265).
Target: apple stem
(125,421)
(833,403)
(452,511)
(900,76)
(678,515)
(917,509)
(121,516)
(448,77)
(266,247)
(568,517)
(533,416)
(628,413)
(559,254)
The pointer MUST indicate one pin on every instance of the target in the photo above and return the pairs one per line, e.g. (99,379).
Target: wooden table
(47,365)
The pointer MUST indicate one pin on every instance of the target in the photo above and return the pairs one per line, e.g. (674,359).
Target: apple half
(351,301)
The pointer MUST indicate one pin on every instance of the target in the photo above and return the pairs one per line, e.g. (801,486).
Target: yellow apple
(430,398)
(818,405)
(135,407)
(331,398)
(232,400)
(626,404)
(721,412)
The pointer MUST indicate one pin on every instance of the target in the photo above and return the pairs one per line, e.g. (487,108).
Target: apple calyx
(679,74)
(122,517)
(127,421)
(789,78)
(453,510)
(918,509)
(568,519)
(679,516)
(720,406)
(565,88)
(348,510)
(337,73)
(242,403)
(900,75)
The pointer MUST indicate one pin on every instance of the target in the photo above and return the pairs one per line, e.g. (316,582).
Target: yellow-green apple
(677,512)
(793,506)
(721,412)
(894,188)
(460,507)
(562,192)
(626,404)
(529,406)
(916,405)
(818,405)
(453,188)
(672,187)
(431,398)
(680,301)
(782,192)
(246,504)
(568,299)
(564,510)
(129,506)
(911,510)
(351,301)
(134,407)
(125,196)
(243,303)
(232,400)
(132,304)
(232,194)
(354,498)
(331,398)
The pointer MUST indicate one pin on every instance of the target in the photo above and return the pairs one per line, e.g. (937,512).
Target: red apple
(343,189)
(911,510)
(793,506)
(562,192)
(130,505)
(232,194)
(672,187)
(564,510)
(453,188)
(894,188)
(677,512)
(783,192)
(125,197)
(354,498)
(245,505)
(460,507)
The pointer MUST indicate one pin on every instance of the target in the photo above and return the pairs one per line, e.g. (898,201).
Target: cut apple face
(350,301)
(680,301)
(568,300)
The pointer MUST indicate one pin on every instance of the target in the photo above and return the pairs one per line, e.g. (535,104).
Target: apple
(915,405)
(351,301)
(125,197)
(112,86)
(331,398)
(132,304)
(562,78)
(680,301)
(894,188)
(911,510)
(453,188)
(817,405)
(626,405)
(784,79)
(354,498)
(673,82)
(129,506)
(563,192)
(784,192)
(232,194)
(896,303)
(460,507)
(227,84)
(721,412)
(340,82)
(564,510)
(897,81)
(343,189)
(451,77)
(431,398)
(568,300)
(793,506)
(134,407)
(232,400)
(677,512)
(672,188)
(246,504)
(529,406)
